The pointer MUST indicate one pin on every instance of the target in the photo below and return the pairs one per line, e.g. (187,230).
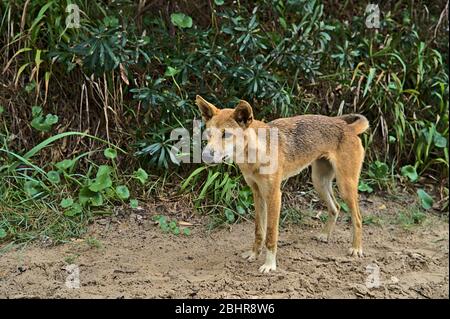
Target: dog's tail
(357,122)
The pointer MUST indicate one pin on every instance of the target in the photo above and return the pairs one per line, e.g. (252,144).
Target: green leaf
(369,80)
(65,164)
(162,220)
(181,20)
(31,187)
(2,109)
(122,191)
(66,202)
(141,175)
(176,231)
(104,170)
(75,210)
(87,196)
(36,111)
(344,206)
(171,71)
(439,140)
(425,200)
(173,224)
(379,169)
(97,200)
(100,183)
(54,177)
(229,215)
(219,2)
(2,233)
(134,203)
(410,172)
(110,153)
(392,139)
(187,231)
(240,210)
(51,119)
(363,187)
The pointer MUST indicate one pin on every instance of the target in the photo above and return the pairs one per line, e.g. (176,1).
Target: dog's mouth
(228,159)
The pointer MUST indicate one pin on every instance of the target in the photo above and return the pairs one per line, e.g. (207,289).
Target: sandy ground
(132,258)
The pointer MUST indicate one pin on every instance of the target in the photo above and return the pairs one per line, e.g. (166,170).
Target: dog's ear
(207,109)
(243,114)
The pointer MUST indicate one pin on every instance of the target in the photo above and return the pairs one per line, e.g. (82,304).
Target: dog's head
(225,130)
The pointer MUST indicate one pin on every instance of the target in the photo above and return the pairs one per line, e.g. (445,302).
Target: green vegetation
(86,112)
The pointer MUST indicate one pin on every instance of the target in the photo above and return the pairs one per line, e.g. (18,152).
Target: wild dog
(329,144)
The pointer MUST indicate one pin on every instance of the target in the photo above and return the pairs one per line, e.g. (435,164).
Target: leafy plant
(41,123)
(171,226)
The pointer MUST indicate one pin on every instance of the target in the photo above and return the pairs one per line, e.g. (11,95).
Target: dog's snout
(208,155)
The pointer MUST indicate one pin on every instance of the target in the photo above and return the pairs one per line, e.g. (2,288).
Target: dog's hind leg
(322,177)
(348,167)
(260,224)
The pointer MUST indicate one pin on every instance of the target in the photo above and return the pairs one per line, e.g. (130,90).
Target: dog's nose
(208,155)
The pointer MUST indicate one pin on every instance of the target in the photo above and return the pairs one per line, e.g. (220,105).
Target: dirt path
(136,260)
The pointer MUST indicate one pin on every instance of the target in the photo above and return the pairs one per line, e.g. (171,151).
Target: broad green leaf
(2,233)
(100,183)
(36,111)
(229,215)
(219,2)
(171,71)
(181,20)
(141,175)
(54,177)
(439,140)
(65,164)
(51,119)
(425,200)
(76,209)
(97,200)
(31,187)
(379,169)
(410,172)
(134,203)
(87,196)
(187,231)
(122,191)
(104,170)
(110,153)
(66,202)
(363,187)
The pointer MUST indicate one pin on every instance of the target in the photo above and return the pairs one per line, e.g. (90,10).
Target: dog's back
(308,137)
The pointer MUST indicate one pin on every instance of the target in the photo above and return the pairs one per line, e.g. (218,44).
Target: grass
(413,217)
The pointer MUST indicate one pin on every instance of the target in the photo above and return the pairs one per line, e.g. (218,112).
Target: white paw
(266,268)
(270,264)
(355,252)
(249,255)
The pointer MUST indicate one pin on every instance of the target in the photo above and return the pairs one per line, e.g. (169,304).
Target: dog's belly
(293,170)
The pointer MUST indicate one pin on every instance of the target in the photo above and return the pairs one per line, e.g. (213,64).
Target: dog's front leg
(260,225)
(273,215)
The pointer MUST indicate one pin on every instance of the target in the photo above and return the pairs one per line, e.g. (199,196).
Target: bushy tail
(357,122)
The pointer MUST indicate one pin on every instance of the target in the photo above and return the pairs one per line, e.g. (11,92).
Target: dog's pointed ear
(207,109)
(243,114)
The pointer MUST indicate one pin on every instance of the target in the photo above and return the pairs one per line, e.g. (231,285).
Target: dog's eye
(226,135)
